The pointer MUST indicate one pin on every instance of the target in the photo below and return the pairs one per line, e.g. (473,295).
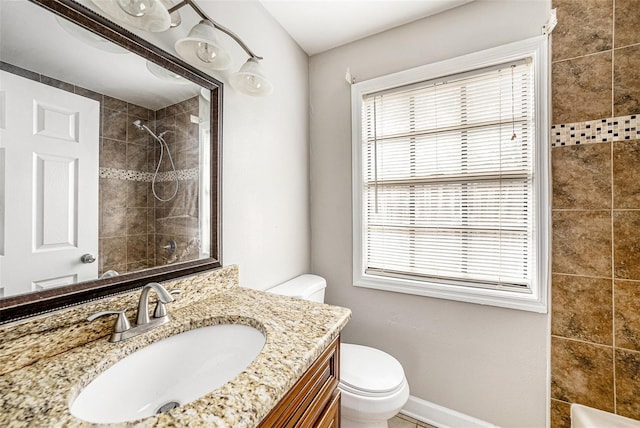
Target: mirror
(108,160)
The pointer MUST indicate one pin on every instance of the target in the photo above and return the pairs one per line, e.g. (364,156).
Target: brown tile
(166,124)
(581,88)
(178,108)
(165,190)
(113,154)
(114,124)
(627,316)
(180,159)
(138,111)
(136,248)
(584,27)
(137,192)
(582,309)
(151,250)
(193,157)
(162,253)
(114,222)
(582,176)
(194,134)
(113,192)
(151,220)
(88,93)
(626,244)
(50,81)
(628,383)
(192,105)
(113,251)
(582,373)
(161,114)
(626,81)
(151,159)
(136,157)
(114,104)
(560,414)
(183,121)
(19,71)
(136,221)
(137,266)
(136,135)
(582,243)
(627,22)
(626,182)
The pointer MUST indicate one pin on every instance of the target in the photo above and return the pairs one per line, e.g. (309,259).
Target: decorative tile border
(596,131)
(129,175)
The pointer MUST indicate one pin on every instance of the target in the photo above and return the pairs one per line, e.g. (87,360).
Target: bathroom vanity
(46,362)
(314,400)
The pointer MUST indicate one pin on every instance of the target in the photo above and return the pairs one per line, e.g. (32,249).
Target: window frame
(533,299)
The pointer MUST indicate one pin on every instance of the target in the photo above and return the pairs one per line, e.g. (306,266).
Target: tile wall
(595,332)
(178,219)
(126,205)
(137,228)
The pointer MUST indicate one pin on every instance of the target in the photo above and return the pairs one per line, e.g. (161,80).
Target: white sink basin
(168,373)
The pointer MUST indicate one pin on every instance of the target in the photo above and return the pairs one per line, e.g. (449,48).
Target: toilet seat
(369,372)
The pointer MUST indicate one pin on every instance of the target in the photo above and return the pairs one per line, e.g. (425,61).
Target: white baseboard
(439,416)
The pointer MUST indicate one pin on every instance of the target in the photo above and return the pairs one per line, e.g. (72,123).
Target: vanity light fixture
(200,48)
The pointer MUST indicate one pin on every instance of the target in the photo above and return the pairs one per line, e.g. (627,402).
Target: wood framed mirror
(154,207)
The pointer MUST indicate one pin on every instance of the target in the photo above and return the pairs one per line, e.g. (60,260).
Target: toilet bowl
(372,383)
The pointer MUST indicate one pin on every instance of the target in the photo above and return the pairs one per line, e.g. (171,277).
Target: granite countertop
(38,391)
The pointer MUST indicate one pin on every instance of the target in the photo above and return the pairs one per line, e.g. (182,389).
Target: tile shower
(595,331)
(135,229)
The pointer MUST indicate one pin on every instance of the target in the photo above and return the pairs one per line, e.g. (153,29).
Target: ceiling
(320,25)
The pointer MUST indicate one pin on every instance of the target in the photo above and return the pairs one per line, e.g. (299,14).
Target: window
(450,179)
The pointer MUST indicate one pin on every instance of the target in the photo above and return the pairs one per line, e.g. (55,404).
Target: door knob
(87,258)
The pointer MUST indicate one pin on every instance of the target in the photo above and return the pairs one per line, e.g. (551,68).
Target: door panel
(51,212)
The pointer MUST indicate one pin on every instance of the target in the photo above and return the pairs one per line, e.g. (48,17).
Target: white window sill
(524,300)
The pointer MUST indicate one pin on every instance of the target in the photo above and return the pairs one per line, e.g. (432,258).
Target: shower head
(138,124)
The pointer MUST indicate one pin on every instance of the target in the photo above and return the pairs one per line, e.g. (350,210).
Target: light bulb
(135,7)
(253,83)
(206,52)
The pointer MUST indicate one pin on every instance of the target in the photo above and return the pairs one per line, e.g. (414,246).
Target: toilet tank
(307,286)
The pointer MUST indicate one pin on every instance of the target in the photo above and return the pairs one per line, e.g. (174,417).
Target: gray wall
(265,168)
(486,362)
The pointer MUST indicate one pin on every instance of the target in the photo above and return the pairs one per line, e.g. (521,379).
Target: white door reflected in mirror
(50,143)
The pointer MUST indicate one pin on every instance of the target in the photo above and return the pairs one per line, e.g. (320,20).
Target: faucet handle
(160,310)
(122,323)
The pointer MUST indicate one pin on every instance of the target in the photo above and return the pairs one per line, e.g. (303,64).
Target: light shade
(166,75)
(250,80)
(90,38)
(201,48)
(148,15)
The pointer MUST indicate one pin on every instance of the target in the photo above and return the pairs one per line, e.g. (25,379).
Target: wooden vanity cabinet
(314,401)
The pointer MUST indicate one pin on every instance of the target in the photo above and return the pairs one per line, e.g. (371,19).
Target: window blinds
(448,179)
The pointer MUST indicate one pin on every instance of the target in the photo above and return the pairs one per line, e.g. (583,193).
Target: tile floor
(402,421)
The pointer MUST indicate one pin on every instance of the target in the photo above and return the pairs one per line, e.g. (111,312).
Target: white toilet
(372,382)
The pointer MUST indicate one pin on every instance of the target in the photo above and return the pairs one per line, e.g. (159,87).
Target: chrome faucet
(143,305)
(122,329)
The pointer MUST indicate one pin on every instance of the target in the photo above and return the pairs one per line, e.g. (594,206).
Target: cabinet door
(331,416)
(308,400)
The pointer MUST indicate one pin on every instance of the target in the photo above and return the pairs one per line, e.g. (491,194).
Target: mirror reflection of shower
(163,146)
